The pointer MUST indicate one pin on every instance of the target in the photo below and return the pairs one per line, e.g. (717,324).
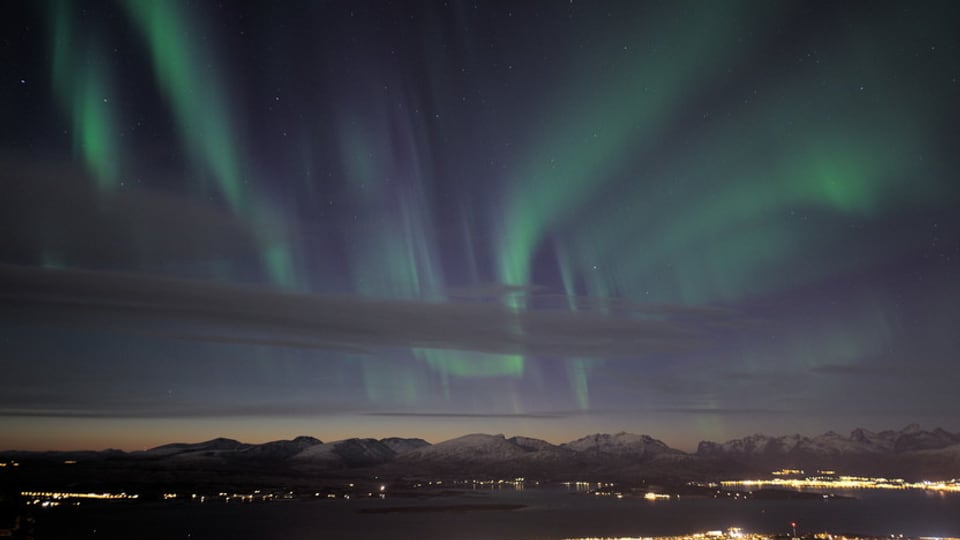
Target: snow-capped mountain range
(860,442)
(909,449)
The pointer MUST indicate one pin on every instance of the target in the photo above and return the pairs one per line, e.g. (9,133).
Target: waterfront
(832,481)
(545,513)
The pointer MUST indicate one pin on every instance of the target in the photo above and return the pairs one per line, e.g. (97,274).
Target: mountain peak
(911,449)
(401,445)
(912,428)
(618,444)
(861,442)
(219,443)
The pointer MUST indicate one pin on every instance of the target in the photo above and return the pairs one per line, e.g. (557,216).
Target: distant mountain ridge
(620,444)
(860,442)
(911,450)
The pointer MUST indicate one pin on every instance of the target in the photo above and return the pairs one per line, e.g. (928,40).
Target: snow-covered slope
(917,439)
(400,445)
(909,451)
(279,450)
(490,455)
(752,445)
(860,442)
(476,447)
(346,453)
(621,445)
(880,443)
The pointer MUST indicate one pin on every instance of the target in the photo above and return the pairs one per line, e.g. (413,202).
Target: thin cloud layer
(229,313)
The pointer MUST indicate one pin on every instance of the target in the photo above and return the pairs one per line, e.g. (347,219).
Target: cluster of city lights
(589,486)
(47,499)
(226,497)
(848,482)
(515,483)
(789,472)
(733,533)
(736,533)
(74,495)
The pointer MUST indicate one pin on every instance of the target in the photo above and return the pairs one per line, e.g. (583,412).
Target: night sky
(696,220)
